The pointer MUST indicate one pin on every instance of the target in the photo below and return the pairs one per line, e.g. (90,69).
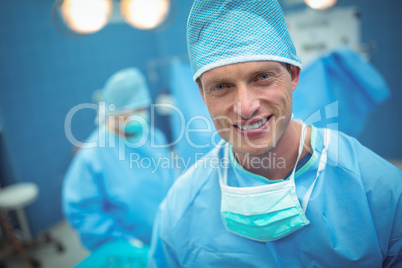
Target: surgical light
(144,14)
(86,16)
(320,4)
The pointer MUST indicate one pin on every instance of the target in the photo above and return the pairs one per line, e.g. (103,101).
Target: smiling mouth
(255,125)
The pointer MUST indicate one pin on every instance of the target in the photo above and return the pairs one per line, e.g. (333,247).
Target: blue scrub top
(113,191)
(355,214)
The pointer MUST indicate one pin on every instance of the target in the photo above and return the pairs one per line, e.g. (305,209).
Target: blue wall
(381,25)
(44,74)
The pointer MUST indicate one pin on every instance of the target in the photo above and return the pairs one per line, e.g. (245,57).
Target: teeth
(254,126)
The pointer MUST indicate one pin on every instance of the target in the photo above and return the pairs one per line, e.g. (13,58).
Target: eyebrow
(274,69)
(268,67)
(213,81)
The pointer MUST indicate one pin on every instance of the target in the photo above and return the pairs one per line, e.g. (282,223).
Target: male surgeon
(275,192)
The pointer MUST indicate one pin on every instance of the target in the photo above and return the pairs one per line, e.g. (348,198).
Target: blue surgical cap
(222,32)
(126,90)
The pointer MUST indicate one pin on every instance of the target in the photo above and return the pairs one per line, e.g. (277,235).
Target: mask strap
(223,178)
(300,150)
(321,167)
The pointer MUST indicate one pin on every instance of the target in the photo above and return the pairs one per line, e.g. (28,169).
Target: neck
(276,163)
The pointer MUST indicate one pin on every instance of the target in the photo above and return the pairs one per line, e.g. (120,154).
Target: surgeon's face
(250,103)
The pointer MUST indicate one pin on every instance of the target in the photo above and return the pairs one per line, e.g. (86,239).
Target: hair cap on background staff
(126,90)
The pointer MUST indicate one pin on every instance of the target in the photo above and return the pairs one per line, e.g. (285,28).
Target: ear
(295,74)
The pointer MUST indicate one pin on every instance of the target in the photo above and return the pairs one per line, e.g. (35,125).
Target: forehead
(238,70)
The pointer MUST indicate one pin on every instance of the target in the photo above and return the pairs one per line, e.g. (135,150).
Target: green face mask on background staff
(135,124)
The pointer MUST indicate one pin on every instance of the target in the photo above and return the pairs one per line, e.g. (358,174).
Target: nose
(247,103)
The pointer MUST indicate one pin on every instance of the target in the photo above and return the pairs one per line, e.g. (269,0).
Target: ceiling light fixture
(145,14)
(320,4)
(86,16)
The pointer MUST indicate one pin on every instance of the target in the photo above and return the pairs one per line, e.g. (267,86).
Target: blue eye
(219,87)
(263,76)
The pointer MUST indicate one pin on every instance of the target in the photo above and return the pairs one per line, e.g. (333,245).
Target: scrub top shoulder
(354,213)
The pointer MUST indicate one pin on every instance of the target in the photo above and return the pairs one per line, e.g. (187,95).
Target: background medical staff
(112,190)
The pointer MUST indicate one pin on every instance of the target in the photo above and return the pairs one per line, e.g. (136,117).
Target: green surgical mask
(136,124)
